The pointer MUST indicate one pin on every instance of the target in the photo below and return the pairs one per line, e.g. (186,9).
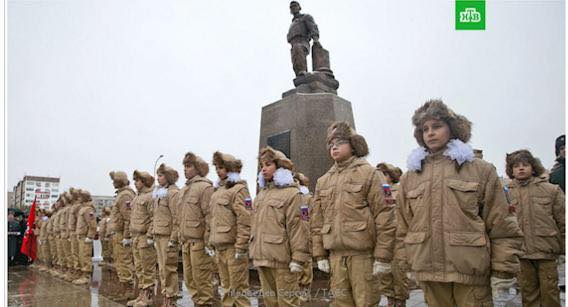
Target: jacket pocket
(223,229)
(224,234)
(417,252)
(327,237)
(543,204)
(162,223)
(468,253)
(463,194)
(192,229)
(353,195)
(414,199)
(357,236)
(547,240)
(275,248)
(223,214)
(274,212)
(354,226)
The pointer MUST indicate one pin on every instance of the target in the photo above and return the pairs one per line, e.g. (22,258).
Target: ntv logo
(470,15)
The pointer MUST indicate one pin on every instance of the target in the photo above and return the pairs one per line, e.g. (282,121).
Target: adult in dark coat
(558,171)
(14,232)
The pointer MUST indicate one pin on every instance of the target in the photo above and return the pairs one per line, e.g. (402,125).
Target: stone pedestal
(297,126)
(314,83)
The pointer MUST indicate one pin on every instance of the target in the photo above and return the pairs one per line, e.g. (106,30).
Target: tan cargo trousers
(144,261)
(106,245)
(74,253)
(167,265)
(279,287)
(198,273)
(234,276)
(85,255)
(53,250)
(449,294)
(122,256)
(66,249)
(353,282)
(396,284)
(539,283)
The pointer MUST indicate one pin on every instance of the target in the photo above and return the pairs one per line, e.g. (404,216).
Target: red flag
(29,244)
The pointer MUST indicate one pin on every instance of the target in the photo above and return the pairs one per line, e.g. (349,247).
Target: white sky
(95,86)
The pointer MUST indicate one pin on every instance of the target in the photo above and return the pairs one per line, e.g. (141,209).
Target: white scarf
(160,193)
(282,177)
(456,150)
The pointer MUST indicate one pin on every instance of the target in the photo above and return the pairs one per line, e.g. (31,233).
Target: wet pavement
(30,287)
(27,287)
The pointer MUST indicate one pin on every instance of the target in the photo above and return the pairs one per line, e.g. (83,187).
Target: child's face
(340,150)
(436,134)
(221,172)
(139,184)
(268,169)
(162,181)
(190,171)
(522,170)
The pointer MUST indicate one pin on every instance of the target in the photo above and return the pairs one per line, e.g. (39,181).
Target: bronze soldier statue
(302,30)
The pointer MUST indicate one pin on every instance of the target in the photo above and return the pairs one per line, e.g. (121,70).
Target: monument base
(321,81)
(297,126)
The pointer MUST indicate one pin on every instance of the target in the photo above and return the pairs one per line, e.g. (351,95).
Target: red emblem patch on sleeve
(305,212)
(248,203)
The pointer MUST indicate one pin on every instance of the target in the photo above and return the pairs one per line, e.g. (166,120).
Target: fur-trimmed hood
(343,131)
(171,174)
(393,171)
(456,150)
(227,161)
(74,194)
(460,126)
(119,177)
(270,154)
(84,195)
(146,178)
(526,156)
(282,178)
(199,164)
(302,179)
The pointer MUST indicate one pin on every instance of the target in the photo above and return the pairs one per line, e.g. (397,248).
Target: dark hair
(525,156)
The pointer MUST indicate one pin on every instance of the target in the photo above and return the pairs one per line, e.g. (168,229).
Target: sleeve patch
(248,203)
(305,212)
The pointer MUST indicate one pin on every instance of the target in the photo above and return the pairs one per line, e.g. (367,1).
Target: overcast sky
(95,86)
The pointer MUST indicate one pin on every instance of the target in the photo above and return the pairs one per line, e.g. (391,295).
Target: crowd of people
(17,221)
(449,223)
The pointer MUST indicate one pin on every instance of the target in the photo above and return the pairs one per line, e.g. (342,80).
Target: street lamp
(156,163)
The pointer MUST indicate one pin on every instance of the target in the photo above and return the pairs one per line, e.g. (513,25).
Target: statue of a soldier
(302,30)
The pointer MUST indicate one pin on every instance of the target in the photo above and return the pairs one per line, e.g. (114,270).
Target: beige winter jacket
(350,216)
(165,204)
(230,216)
(540,212)
(120,212)
(87,221)
(278,232)
(193,210)
(455,225)
(142,212)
